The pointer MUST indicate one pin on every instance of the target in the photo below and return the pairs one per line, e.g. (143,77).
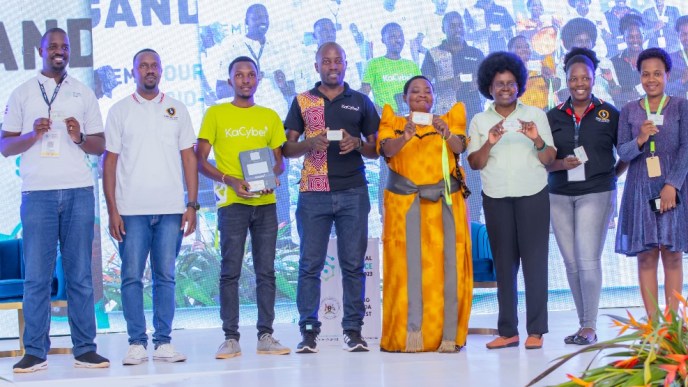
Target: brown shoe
(503,342)
(534,341)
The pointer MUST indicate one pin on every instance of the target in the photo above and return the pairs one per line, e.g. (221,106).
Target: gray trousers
(580,225)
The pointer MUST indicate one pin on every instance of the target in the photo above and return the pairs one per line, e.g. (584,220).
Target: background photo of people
(386,43)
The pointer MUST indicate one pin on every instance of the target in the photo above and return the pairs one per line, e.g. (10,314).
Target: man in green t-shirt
(232,128)
(387,74)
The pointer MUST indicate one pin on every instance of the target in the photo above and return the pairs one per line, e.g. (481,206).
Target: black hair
(581,55)
(241,59)
(51,31)
(499,62)
(628,20)
(254,7)
(141,51)
(680,22)
(513,40)
(322,20)
(408,83)
(388,27)
(655,52)
(450,14)
(572,3)
(575,27)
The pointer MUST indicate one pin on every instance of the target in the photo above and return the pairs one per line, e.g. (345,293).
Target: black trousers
(518,228)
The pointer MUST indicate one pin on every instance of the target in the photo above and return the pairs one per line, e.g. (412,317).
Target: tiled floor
(473,366)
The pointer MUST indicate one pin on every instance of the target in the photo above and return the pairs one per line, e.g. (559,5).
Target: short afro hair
(572,3)
(631,19)
(240,59)
(581,55)
(680,22)
(655,52)
(575,27)
(499,62)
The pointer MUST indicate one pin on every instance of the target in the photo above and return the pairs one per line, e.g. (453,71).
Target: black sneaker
(91,360)
(30,363)
(307,344)
(353,342)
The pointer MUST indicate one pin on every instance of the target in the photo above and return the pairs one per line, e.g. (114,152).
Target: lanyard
(659,112)
(577,123)
(52,99)
(253,53)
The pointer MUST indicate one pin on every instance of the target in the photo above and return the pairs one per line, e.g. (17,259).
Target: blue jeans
(234,222)
(48,217)
(315,213)
(161,237)
(580,225)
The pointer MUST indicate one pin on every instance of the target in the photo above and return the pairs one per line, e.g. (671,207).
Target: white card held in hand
(657,119)
(580,154)
(576,174)
(511,125)
(334,135)
(420,118)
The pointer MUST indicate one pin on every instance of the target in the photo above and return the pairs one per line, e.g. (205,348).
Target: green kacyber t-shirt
(232,130)
(387,77)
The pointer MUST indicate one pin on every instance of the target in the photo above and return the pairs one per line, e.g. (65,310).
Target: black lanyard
(57,90)
(577,123)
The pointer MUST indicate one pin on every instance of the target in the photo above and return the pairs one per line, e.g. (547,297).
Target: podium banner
(331,307)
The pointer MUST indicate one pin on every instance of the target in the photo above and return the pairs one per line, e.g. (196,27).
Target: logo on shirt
(349,107)
(396,77)
(602,116)
(246,132)
(171,113)
(7,109)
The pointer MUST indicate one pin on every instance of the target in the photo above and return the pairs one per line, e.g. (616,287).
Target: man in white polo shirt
(53,122)
(147,135)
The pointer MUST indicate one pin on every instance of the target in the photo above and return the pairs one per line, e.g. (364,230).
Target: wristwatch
(195,205)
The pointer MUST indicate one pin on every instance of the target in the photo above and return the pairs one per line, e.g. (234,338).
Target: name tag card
(576,174)
(257,166)
(466,77)
(50,143)
(580,154)
(334,135)
(653,167)
(421,118)
(657,119)
(511,125)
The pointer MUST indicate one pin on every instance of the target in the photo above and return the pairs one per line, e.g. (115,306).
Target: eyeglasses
(507,85)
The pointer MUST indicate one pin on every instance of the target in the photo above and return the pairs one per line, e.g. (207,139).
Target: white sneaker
(136,355)
(166,353)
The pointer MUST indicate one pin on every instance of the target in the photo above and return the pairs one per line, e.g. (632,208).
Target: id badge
(657,119)
(653,167)
(466,77)
(661,42)
(576,174)
(580,154)
(50,144)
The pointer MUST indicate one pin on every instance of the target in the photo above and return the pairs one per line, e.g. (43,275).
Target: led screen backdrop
(197,40)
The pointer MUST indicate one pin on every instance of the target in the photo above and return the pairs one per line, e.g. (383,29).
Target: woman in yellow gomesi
(428,277)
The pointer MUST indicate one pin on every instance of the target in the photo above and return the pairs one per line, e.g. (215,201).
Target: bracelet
(544,146)
(82,139)
(223,179)
(360,145)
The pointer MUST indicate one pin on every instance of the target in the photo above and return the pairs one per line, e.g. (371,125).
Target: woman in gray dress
(653,221)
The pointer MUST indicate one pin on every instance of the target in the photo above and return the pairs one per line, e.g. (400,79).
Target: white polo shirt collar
(140,100)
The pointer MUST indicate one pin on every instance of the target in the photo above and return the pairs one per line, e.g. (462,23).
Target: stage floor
(332,366)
